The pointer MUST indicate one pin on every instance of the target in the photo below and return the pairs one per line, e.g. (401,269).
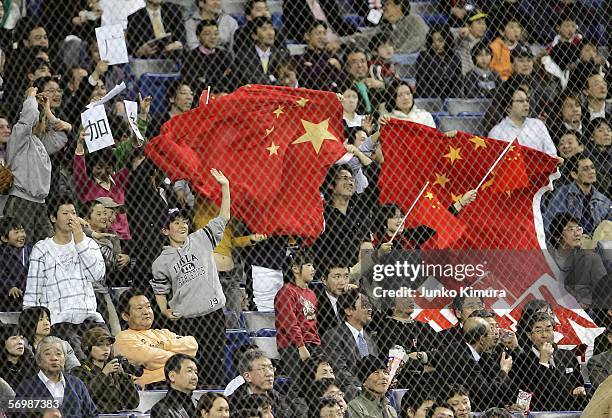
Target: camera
(130,368)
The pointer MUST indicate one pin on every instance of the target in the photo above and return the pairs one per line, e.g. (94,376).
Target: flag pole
(207,94)
(502,155)
(409,210)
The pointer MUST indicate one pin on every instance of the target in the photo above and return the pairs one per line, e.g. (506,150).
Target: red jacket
(296,317)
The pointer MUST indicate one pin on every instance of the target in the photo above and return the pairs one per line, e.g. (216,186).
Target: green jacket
(111,393)
(365,406)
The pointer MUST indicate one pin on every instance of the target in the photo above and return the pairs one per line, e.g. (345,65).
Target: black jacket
(248,68)
(457,366)
(111,393)
(326,316)
(298,13)
(214,70)
(14,374)
(551,386)
(240,400)
(14,263)
(174,405)
(140,28)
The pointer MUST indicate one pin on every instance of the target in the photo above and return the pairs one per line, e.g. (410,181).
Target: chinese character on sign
(95,121)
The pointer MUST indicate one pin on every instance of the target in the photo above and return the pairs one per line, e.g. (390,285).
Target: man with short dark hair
(348,342)
(318,68)
(252,9)
(61,275)
(258,373)
(369,89)
(580,198)
(181,372)
(255,61)
(407,30)
(143,345)
(469,36)
(458,398)
(336,281)
(551,374)
(372,401)
(595,92)
(462,308)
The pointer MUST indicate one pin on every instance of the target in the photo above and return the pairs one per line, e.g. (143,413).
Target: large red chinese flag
(274,144)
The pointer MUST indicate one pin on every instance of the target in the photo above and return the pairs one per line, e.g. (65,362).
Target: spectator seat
(155,85)
(268,346)
(148,398)
(461,106)
(430,104)
(257,320)
(9,318)
(234,339)
(469,124)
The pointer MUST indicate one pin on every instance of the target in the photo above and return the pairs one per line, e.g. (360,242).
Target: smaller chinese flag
(430,212)
(511,172)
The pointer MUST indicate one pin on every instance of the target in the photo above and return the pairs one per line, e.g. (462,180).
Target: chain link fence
(305,208)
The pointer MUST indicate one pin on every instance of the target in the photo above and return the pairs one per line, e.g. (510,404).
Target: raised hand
(219,177)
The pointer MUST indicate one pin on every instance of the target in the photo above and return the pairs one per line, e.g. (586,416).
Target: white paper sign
(98,133)
(111,44)
(108,96)
(116,12)
(131,110)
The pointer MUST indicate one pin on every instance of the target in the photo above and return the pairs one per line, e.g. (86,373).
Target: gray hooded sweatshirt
(190,273)
(28,156)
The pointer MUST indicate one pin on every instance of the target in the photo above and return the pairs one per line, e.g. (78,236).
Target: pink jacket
(89,190)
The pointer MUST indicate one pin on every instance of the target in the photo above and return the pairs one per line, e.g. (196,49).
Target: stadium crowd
(76,226)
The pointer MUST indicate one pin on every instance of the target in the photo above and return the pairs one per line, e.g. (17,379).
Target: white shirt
(532,133)
(551,362)
(333,300)
(474,353)
(234,384)
(355,333)
(601,113)
(61,278)
(355,122)
(55,388)
(415,115)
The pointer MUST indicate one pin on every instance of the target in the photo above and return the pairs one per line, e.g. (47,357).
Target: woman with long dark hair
(35,324)
(16,360)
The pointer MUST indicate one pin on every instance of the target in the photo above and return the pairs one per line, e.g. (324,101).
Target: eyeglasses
(578,229)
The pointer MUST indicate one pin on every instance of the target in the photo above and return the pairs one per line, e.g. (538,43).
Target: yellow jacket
(500,61)
(151,349)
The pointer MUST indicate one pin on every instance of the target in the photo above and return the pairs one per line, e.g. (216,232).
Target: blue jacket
(14,263)
(76,402)
(569,198)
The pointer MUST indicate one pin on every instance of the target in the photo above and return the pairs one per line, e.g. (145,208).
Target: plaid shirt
(61,278)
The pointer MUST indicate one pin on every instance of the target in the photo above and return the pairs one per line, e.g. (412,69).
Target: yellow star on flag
(316,134)
(441,179)
(279,111)
(478,142)
(273,149)
(269,131)
(429,195)
(456,197)
(302,102)
(453,154)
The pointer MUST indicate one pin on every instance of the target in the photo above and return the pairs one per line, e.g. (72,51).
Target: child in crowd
(285,74)
(481,81)
(186,270)
(510,33)
(381,67)
(296,315)
(14,262)
(569,145)
(564,51)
